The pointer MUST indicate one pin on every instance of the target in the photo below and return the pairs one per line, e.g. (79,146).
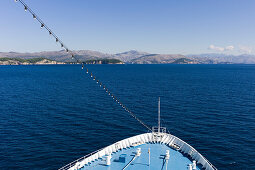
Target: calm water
(52,115)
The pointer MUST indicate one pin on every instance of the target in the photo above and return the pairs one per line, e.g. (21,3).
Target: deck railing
(156,129)
(168,139)
(72,164)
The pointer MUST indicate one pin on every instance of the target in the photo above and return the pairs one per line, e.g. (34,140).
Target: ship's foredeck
(146,151)
(152,157)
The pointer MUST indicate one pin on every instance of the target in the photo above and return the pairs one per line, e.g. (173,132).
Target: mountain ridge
(137,57)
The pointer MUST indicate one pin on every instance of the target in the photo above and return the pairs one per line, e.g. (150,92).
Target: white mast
(158,129)
(158,114)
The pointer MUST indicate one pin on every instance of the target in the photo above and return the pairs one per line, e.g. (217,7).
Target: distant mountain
(129,55)
(184,61)
(62,56)
(136,57)
(32,61)
(223,58)
(156,59)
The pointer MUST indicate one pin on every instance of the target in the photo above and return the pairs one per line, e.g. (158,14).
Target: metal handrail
(78,160)
(161,129)
(183,142)
(198,153)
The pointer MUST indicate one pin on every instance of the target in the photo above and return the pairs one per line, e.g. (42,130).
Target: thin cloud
(221,49)
(213,47)
(229,48)
(245,49)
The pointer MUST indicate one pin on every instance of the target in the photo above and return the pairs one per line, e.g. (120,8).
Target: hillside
(61,56)
(215,58)
(104,61)
(156,59)
(129,55)
(136,57)
(32,61)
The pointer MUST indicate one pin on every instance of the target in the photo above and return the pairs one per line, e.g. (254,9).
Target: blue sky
(112,26)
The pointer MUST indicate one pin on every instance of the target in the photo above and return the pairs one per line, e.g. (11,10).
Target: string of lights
(72,53)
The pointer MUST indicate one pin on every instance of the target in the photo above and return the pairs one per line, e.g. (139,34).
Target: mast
(158,114)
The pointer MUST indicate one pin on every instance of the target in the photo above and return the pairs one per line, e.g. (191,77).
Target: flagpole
(149,156)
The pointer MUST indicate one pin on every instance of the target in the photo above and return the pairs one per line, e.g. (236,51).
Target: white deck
(166,139)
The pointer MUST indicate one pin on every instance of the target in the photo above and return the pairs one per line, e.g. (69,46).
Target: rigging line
(58,40)
(43,25)
(116,99)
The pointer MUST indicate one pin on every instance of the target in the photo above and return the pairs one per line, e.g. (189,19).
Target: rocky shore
(34,61)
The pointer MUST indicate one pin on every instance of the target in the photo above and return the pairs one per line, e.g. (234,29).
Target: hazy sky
(112,26)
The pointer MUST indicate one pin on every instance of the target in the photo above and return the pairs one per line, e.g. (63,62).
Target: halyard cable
(58,40)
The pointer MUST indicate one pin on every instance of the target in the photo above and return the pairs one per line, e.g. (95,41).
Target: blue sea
(54,114)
